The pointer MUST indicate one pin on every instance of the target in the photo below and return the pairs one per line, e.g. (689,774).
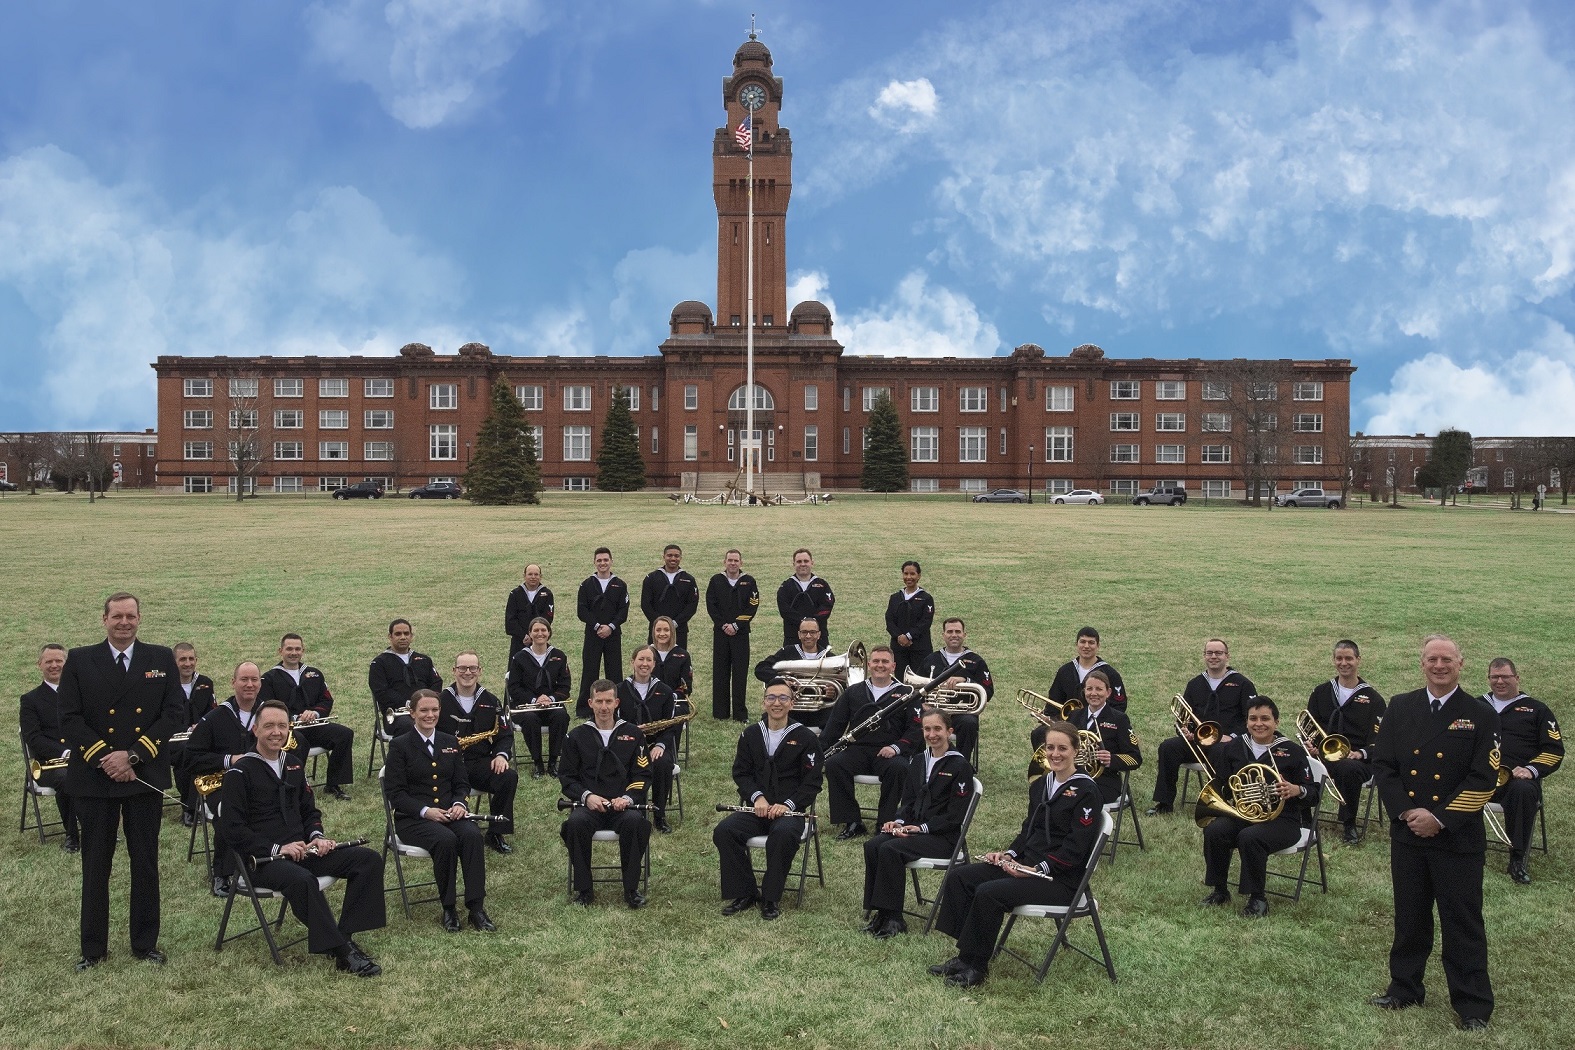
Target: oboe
(564,803)
(311,851)
(723,807)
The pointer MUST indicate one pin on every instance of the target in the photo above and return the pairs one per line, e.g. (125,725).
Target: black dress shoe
(660,824)
(451,920)
(498,844)
(356,962)
(585,898)
(1157,808)
(482,921)
(1472,1024)
(342,795)
(635,901)
(738,904)
(1391,1002)
(152,955)
(890,928)
(221,886)
(853,831)
(71,844)
(1217,897)
(1256,908)
(537,771)
(965,977)
(188,819)
(552,767)
(1520,874)
(770,911)
(87,962)
(947,968)
(1352,837)
(873,924)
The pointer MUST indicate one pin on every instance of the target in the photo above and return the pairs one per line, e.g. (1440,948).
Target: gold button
(1413,772)
(1437,777)
(1435,798)
(111,729)
(1440,754)
(112,710)
(139,710)
(1418,751)
(1411,793)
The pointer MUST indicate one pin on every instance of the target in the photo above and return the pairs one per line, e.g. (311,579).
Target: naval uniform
(485,711)
(783,767)
(1531,738)
(1068,685)
(798,602)
(223,733)
(393,679)
(1355,715)
(677,596)
(1220,702)
(305,689)
(612,765)
(530,677)
(765,671)
(1117,737)
(1256,840)
(911,615)
(602,603)
(523,607)
(968,665)
(657,703)
(730,603)
(430,774)
(935,797)
(199,701)
(898,729)
(40,721)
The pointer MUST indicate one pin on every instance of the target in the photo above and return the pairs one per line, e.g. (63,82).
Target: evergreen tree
(504,471)
(1450,460)
(885,460)
(619,467)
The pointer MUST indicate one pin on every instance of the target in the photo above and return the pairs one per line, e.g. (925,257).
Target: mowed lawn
(1280,586)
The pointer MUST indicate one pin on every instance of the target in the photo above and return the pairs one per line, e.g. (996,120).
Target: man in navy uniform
(670,591)
(40,716)
(1533,749)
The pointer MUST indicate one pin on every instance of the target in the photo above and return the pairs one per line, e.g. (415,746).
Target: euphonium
(964,698)
(1027,697)
(817,684)
(35,767)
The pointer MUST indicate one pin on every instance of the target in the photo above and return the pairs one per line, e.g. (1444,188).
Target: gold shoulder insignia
(1493,758)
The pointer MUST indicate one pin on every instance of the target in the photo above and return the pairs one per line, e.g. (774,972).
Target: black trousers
(55,780)
(1520,799)
(361,870)
(530,724)
(661,778)
(1421,878)
(599,653)
(863,760)
(885,866)
(731,837)
(975,900)
(634,835)
(1173,752)
(501,789)
(515,645)
(1349,774)
(908,659)
(101,819)
(175,751)
(337,740)
(1254,841)
(966,729)
(729,675)
(450,844)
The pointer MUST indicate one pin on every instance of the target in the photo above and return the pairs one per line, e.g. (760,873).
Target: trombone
(1089,741)
(1331,747)
(1064,712)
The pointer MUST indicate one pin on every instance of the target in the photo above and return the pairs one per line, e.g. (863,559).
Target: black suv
(1170,495)
(360,490)
(437,490)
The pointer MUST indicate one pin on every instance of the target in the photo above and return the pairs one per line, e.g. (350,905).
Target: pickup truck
(1308,498)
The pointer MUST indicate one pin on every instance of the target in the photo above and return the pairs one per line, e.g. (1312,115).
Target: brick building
(1499,464)
(126,458)
(1027,419)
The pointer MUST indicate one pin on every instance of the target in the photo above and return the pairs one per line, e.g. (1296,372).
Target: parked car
(1170,495)
(360,490)
(1079,496)
(1308,498)
(437,490)
(1002,496)
(6,486)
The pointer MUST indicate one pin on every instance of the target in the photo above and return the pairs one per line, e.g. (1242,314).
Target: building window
(289,450)
(576,444)
(1215,391)
(199,450)
(1263,391)
(847,441)
(289,388)
(971,485)
(1216,422)
(873,394)
(576,484)
(1307,454)
(153,452)
(1058,444)
(198,419)
(199,388)
(633,394)
(529,397)
(333,418)
(847,399)
(973,399)
(691,398)
(378,388)
(329,450)
(656,399)
(1170,453)
(1307,422)
(656,445)
(576,399)
(377,450)
(812,443)
(333,388)
(691,443)
(379,419)
(1123,453)
(925,444)
(925,399)
(1124,421)
(287,484)
(1509,477)
(243,419)
(864,440)
(1058,486)
(1058,399)
(1307,392)
(250,487)
(1125,390)
(537,437)
(1124,487)
(1266,454)
(764,402)
(443,441)
(1216,453)
(329,484)
(243,388)
(1216,490)
(1170,390)
(288,419)
(811,398)
(924,485)
(443,396)
(202,483)
(971,446)
(1003,441)
(1170,421)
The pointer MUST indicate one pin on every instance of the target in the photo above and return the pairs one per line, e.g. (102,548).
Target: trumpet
(964,698)
(1327,746)
(564,803)
(35,768)
(817,684)
(526,709)
(1027,697)
(311,850)
(723,807)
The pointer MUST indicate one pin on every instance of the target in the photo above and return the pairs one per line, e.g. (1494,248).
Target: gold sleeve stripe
(153,749)
(87,756)
(1461,806)
(1480,798)
(1547,758)
(638,785)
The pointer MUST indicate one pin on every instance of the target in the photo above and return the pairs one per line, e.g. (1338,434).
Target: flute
(1008,864)
(311,851)
(564,803)
(723,807)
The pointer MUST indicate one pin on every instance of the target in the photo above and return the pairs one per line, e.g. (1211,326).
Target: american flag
(745,133)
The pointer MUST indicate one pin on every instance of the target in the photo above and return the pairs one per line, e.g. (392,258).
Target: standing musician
(119,700)
(1068,681)
(539,677)
(1533,748)
(731,599)
(960,664)
(1216,695)
(268,811)
(603,607)
(304,691)
(673,665)
(1043,865)
(909,613)
(223,737)
(426,785)
(807,648)
(643,699)
(935,798)
(199,701)
(40,721)
(1118,750)
(1436,761)
(804,594)
(1262,745)
(1347,706)
(604,773)
(469,709)
(878,749)
(777,769)
(397,672)
(672,592)
(529,600)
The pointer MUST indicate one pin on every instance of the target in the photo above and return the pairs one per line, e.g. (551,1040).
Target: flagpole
(749,322)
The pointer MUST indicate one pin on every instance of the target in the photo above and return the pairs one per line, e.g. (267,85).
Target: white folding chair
(377,751)
(241,886)
(600,872)
(942,864)
(1310,843)
(869,815)
(1188,771)
(402,852)
(809,838)
(1083,906)
(1118,809)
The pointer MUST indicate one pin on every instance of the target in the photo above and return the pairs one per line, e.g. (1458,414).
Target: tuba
(964,698)
(817,684)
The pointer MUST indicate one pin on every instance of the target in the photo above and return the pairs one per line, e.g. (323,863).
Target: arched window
(763,400)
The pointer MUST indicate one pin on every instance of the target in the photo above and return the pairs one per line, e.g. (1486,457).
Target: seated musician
(673,665)
(198,689)
(604,774)
(40,720)
(396,673)
(1118,750)
(224,737)
(1069,677)
(268,814)
(960,664)
(1216,696)
(935,797)
(777,769)
(644,699)
(1347,706)
(1043,865)
(1262,745)
(426,785)
(878,746)
(807,650)
(468,709)
(1532,750)
(539,678)
(304,691)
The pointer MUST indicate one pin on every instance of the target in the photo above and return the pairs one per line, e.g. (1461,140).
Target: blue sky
(1388,182)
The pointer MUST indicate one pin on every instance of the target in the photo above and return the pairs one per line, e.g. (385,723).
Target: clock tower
(753,92)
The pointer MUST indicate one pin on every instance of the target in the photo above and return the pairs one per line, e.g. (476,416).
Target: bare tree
(1251,390)
(34,453)
(244,435)
(1561,458)
(80,457)
(1091,452)
(1341,453)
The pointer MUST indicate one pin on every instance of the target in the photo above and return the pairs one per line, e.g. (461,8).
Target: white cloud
(920,320)
(906,105)
(649,283)
(806,285)
(428,60)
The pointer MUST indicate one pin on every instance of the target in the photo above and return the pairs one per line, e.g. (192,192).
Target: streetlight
(1030,473)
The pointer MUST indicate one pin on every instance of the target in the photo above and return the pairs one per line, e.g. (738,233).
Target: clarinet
(311,851)
(564,803)
(723,807)
(906,696)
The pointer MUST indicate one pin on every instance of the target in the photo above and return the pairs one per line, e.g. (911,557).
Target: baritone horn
(817,684)
(964,698)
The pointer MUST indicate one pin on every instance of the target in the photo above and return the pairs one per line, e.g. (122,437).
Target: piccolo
(564,803)
(1007,864)
(311,851)
(723,807)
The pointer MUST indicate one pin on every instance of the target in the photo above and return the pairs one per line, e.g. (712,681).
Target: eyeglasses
(1502,677)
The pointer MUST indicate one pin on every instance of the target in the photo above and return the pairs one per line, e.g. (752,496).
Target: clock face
(752,97)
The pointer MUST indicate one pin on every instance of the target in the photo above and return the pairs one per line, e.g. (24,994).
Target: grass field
(1281,586)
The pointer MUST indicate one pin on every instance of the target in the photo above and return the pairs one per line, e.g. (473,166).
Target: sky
(1392,183)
